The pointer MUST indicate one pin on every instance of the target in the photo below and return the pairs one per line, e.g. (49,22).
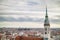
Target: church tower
(46,27)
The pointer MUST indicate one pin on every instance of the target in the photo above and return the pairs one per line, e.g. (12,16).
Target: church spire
(46,27)
(46,22)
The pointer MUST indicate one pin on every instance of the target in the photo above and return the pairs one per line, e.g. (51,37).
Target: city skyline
(29,13)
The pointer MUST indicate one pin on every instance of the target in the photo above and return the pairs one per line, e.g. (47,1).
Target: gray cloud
(21,19)
(56,20)
(36,14)
(2,19)
(56,2)
(1,1)
(24,5)
(31,3)
(58,16)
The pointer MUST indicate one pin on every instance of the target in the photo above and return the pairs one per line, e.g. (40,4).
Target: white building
(46,27)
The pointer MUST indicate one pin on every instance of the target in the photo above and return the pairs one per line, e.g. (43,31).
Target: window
(45,32)
(45,28)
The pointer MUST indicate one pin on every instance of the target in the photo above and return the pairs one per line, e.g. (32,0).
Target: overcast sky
(29,13)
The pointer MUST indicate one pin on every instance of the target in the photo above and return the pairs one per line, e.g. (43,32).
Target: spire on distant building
(46,27)
(46,22)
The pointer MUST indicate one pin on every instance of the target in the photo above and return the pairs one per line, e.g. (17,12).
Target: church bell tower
(46,27)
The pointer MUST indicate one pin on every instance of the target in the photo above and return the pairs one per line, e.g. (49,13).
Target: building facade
(46,27)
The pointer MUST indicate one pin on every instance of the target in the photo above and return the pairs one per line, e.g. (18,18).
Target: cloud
(1,1)
(56,19)
(21,19)
(31,3)
(34,13)
(57,2)
(58,16)
(20,5)
(2,19)
(53,3)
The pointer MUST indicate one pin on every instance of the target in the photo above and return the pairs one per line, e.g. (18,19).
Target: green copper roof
(46,22)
